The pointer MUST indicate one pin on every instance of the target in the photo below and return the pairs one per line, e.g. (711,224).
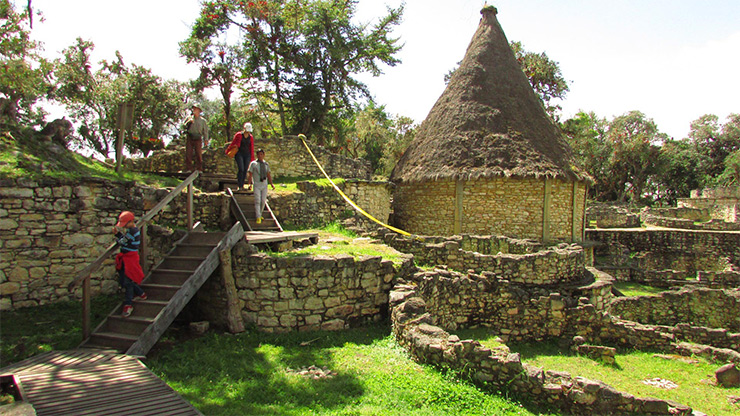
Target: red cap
(125,218)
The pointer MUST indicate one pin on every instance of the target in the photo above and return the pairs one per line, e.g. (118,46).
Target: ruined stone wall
(722,203)
(669,249)
(502,370)
(287,157)
(52,229)
(322,204)
(610,216)
(306,293)
(699,306)
(517,312)
(497,206)
(554,265)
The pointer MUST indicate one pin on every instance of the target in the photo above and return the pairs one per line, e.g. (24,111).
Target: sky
(673,60)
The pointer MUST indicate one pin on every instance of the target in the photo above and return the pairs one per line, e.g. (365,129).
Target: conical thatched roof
(488,122)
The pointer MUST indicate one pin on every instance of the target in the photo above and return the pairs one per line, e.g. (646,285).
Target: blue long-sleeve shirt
(130,240)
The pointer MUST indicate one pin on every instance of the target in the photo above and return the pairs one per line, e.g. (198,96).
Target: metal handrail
(84,275)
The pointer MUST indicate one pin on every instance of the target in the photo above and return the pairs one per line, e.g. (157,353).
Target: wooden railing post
(190,207)
(143,249)
(86,308)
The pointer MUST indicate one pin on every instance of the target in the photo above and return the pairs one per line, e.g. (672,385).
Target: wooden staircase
(169,287)
(245,200)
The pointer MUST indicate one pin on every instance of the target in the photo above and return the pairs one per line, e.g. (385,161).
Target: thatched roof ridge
(488,122)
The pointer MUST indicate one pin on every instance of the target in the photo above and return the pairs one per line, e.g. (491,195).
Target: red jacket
(237,142)
(129,261)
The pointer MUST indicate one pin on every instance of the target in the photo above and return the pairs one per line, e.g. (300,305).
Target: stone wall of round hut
(546,210)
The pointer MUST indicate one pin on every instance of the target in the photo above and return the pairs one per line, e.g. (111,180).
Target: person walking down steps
(130,273)
(259,175)
(243,145)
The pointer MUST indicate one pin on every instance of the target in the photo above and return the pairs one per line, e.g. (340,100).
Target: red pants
(193,147)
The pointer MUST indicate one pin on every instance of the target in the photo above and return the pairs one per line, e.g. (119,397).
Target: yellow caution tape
(346,198)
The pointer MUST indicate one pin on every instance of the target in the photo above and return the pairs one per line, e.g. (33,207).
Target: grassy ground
(637,289)
(692,375)
(28,331)
(335,239)
(255,374)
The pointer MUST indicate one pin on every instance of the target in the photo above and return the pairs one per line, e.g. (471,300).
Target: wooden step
(147,308)
(159,292)
(119,342)
(266,225)
(204,238)
(161,276)
(132,325)
(193,250)
(180,263)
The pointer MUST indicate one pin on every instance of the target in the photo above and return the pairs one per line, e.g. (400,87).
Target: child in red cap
(130,273)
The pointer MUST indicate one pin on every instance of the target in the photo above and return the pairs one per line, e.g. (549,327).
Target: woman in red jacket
(244,142)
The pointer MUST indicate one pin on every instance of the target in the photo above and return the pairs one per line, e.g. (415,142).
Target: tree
(543,73)
(731,175)
(305,53)
(93,99)
(220,66)
(633,139)
(586,134)
(715,142)
(380,137)
(24,74)
(678,175)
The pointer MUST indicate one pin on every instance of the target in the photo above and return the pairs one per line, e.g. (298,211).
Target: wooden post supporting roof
(457,224)
(575,234)
(546,202)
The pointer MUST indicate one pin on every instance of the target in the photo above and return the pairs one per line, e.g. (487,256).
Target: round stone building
(488,159)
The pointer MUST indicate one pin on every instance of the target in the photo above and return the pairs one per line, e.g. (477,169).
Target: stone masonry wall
(500,369)
(279,294)
(670,249)
(722,203)
(322,204)
(554,265)
(505,206)
(698,306)
(287,157)
(52,229)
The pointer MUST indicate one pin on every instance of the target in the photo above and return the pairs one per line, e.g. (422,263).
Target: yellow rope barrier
(346,198)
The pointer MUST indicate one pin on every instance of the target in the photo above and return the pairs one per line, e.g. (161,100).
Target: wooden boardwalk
(260,237)
(83,382)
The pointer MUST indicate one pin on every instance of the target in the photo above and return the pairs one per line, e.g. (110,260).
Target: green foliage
(731,175)
(93,98)
(379,137)
(303,56)
(254,373)
(24,74)
(30,331)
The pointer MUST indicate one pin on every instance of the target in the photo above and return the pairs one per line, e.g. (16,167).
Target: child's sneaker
(127,309)
(143,296)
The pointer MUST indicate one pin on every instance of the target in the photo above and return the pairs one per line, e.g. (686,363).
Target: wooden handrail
(238,211)
(272,214)
(84,274)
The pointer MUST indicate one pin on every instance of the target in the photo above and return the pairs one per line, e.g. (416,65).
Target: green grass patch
(255,374)
(25,156)
(637,289)
(692,376)
(335,240)
(29,331)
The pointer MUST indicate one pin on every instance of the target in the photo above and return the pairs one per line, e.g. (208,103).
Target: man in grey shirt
(197,137)
(259,174)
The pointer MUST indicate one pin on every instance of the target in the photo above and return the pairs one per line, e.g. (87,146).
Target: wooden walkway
(260,237)
(84,382)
